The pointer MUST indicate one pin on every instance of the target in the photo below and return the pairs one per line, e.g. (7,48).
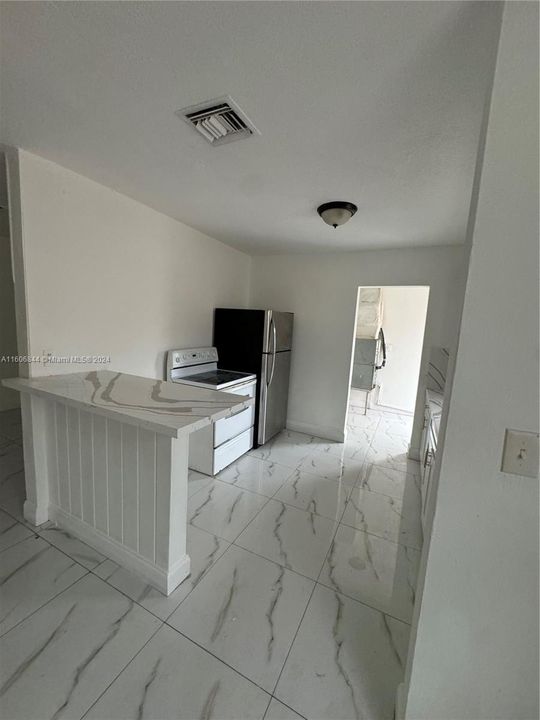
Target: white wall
(404,321)
(8,332)
(476,650)
(321,289)
(107,275)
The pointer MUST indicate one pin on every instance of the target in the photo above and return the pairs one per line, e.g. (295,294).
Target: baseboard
(391,408)
(322,431)
(162,580)
(33,514)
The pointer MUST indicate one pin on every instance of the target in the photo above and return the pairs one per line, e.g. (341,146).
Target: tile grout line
(305,609)
(122,670)
(24,619)
(216,657)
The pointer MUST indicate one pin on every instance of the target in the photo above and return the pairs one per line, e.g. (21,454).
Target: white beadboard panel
(147,493)
(100,473)
(163,500)
(130,486)
(62,456)
(163,580)
(119,488)
(114,477)
(74,461)
(87,466)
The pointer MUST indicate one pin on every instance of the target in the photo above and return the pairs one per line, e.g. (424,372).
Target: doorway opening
(385,365)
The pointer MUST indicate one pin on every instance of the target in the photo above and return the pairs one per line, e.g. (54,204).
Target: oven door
(227,428)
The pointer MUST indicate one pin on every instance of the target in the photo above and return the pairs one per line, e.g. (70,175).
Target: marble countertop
(168,408)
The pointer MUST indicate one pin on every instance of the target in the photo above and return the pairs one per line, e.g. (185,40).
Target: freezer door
(274,394)
(278,328)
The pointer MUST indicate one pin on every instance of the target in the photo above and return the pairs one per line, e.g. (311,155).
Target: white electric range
(214,447)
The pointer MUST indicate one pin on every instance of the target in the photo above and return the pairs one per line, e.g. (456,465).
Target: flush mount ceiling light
(336,213)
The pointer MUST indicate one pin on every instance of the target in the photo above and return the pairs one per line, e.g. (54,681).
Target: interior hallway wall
(106,275)
(475,654)
(321,289)
(8,331)
(404,320)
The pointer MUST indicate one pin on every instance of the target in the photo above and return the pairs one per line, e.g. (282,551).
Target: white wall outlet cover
(521,453)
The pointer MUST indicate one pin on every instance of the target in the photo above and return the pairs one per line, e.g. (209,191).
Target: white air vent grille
(219,121)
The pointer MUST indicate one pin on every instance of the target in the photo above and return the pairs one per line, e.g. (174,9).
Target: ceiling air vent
(219,121)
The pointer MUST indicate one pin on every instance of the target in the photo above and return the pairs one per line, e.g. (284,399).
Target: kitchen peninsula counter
(106,458)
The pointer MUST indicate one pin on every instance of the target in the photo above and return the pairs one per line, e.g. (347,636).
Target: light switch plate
(521,453)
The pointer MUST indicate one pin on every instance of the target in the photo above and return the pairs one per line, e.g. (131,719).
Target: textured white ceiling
(378,103)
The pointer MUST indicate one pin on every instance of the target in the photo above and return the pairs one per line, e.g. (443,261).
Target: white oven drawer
(227,428)
(232,450)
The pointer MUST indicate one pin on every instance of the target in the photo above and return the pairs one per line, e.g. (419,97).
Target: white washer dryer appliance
(214,447)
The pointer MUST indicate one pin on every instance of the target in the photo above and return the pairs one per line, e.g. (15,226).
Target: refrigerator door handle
(383,347)
(273,354)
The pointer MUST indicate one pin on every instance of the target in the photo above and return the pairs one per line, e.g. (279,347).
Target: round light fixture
(336,213)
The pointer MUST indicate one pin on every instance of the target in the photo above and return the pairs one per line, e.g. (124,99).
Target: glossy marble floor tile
(14,506)
(288,448)
(172,678)
(252,473)
(346,661)
(11,470)
(278,711)
(389,444)
(197,481)
(391,452)
(57,662)
(68,633)
(384,516)
(203,548)
(357,419)
(67,543)
(246,611)
(353,449)
(361,435)
(288,455)
(32,573)
(396,425)
(332,467)
(293,538)
(388,481)
(224,510)
(11,425)
(314,494)
(291,438)
(375,571)
(11,531)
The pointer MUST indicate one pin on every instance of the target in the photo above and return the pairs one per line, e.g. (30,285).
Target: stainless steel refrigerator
(260,342)
(369,357)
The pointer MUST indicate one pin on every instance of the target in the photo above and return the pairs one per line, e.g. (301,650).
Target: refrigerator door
(363,377)
(365,356)
(278,328)
(365,351)
(273,394)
